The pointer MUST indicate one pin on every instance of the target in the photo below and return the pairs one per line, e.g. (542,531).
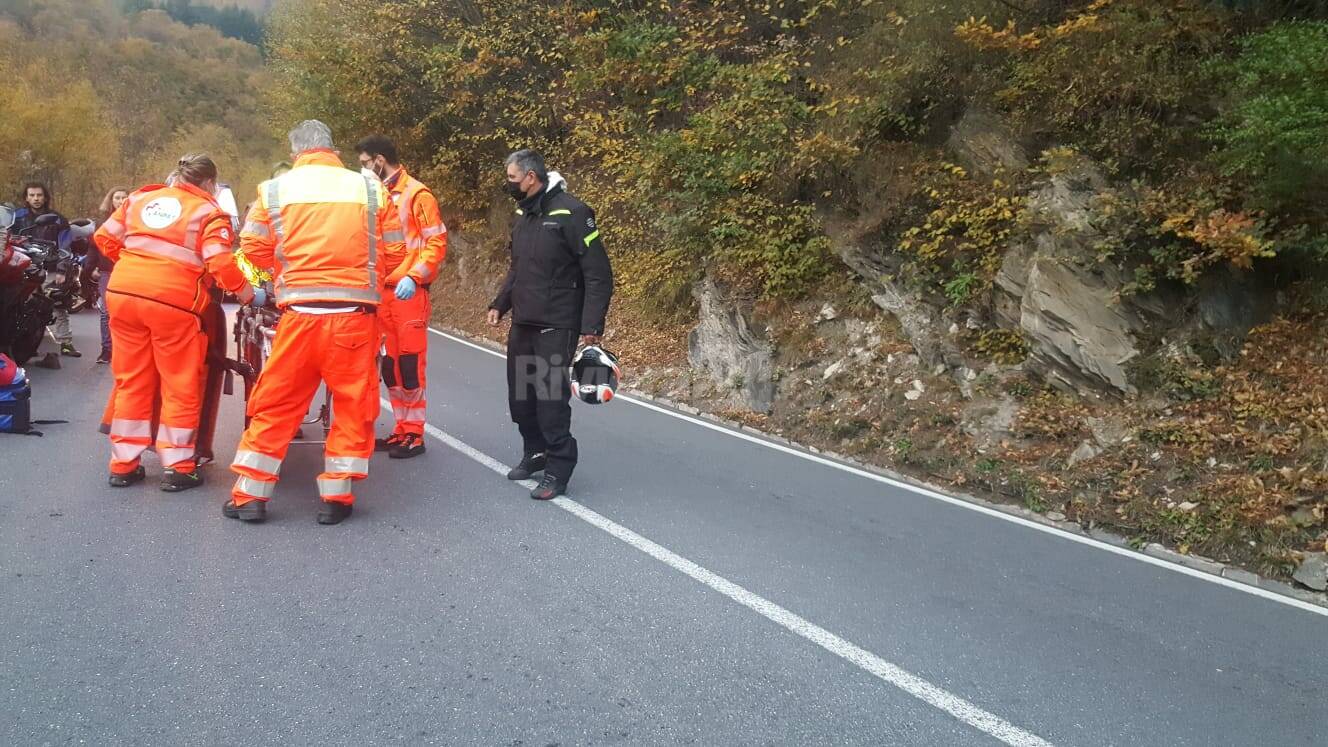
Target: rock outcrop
(984,144)
(724,346)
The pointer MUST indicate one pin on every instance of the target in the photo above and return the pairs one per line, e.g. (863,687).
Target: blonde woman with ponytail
(170,242)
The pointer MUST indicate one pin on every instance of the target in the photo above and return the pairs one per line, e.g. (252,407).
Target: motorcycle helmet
(7,217)
(81,229)
(595,375)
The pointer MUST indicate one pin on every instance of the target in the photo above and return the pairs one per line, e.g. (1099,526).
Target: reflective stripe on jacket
(423,235)
(168,243)
(319,228)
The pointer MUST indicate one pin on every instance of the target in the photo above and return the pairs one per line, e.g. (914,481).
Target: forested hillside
(97,97)
(231,19)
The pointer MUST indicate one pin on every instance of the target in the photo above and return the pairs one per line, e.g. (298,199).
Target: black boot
(409,446)
(550,487)
(333,513)
(128,478)
(254,511)
(530,464)
(174,482)
(386,444)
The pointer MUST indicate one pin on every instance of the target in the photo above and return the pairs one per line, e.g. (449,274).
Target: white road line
(959,502)
(913,685)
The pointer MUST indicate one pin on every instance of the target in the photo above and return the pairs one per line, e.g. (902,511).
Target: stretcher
(255,329)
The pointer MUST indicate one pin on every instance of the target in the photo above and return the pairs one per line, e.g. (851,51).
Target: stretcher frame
(255,329)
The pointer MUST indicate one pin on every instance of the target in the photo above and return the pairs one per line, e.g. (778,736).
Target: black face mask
(514,190)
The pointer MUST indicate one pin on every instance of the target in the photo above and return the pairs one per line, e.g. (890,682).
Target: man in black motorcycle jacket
(37,201)
(558,290)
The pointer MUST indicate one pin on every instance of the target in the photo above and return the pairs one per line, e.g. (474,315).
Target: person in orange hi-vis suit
(318,228)
(167,242)
(403,315)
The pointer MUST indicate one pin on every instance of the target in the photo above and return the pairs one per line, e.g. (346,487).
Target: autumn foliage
(97,97)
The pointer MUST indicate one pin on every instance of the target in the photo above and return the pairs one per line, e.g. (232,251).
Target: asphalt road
(697,588)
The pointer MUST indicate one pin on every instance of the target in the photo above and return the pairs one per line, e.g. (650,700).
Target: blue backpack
(15,398)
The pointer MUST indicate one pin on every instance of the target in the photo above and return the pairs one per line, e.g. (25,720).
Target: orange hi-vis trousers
(405,328)
(310,349)
(161,352)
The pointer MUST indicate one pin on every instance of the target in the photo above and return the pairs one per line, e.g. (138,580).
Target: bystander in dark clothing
(96,262)
(558,290)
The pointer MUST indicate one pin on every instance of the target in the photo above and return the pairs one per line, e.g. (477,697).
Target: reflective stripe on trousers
(334,487)
(344,465)
(176,445)
(251,488)
(260,463)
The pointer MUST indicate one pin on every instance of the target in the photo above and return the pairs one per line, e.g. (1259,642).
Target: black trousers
(538,390)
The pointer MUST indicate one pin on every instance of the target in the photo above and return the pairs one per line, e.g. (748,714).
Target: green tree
(1274,132)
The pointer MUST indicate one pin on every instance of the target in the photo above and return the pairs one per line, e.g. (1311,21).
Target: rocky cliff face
(725,347)
(1085,332)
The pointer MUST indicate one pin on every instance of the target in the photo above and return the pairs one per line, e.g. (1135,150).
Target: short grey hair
(310,135)
(529,160)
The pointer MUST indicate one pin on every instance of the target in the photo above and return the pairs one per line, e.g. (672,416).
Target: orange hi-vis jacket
(319,228)
(424,232)
(166,243)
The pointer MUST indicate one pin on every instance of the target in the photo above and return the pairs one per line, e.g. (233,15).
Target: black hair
(379,145)
(50,198)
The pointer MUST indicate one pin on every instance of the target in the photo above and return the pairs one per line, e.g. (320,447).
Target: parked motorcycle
(42,275)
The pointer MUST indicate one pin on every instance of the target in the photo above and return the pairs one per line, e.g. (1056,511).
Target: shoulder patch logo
(162,212)
(590,222)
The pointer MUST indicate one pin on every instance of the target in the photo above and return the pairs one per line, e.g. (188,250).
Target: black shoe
(68,349)
(50,360)
(386,444)
(174,482)
(254,511)
(550,487)
(105,357)
(128,478)
(333,513)
(409,446)
(530,464)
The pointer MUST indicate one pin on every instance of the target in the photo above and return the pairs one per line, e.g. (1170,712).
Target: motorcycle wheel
(26,346)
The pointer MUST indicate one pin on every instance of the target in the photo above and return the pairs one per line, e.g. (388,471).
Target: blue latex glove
(260,298)
(405,288)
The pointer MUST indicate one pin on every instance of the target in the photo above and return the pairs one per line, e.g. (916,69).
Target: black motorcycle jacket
(560,275)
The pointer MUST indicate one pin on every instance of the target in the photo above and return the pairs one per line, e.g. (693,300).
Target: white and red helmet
(595,375)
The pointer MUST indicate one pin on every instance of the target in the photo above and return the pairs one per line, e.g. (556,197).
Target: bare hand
(493,317)
(591,339)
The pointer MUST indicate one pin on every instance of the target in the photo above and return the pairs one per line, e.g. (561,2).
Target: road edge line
(919,688)
(1255,586)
